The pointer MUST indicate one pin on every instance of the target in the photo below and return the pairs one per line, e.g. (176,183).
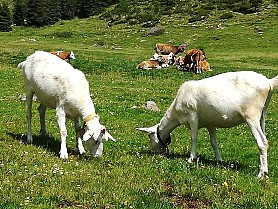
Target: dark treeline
(36,13)
(46,12)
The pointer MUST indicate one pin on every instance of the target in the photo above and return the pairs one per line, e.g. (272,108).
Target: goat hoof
(81,151)
(219,162)
(64,155)
(263,175)
(43,133)
(192,159)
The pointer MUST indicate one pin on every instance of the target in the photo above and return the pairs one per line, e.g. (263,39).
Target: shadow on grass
(203,160)
(47,142)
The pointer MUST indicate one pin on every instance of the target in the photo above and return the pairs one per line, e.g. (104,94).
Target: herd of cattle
(166,55)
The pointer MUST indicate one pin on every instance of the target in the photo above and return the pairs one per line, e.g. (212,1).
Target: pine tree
(255,4)
(37,13)
(53,12)
(84,8)
(67,9)
(19,12)
(5,18)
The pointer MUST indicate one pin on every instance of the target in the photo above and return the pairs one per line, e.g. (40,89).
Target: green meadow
(128,175)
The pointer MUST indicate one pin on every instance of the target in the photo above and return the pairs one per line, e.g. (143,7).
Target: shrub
(194,18)
(5,18)
(63,34)
(226,16)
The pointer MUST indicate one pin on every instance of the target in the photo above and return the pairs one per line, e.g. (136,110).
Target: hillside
(128,175)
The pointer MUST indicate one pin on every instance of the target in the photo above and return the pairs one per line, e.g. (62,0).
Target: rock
(155,31)
(150,105)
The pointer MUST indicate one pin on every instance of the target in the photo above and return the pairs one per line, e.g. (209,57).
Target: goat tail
(22,65)
(275,82)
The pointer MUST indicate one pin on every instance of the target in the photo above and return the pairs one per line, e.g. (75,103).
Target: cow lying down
(152,64)
(157,61)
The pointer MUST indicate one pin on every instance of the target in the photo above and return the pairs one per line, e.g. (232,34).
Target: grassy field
(128,176)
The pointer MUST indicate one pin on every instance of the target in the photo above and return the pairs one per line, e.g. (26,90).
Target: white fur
(222,101)
(166,60)
(71,55)
(59,86)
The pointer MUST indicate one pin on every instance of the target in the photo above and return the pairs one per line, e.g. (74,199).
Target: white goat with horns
(223,101)
(59,86)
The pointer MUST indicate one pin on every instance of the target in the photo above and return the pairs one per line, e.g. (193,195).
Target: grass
(128,176)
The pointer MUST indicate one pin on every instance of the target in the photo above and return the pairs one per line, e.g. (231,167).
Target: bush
(226,16)
(63,34)
(5,18)
(198,15)
(194,18)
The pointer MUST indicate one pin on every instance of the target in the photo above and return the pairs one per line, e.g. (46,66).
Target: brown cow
(204,65)
(195,60)
(167,48)
(64,55)
(150,64)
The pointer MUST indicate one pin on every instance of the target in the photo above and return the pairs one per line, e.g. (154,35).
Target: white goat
(59,86)
(222,101)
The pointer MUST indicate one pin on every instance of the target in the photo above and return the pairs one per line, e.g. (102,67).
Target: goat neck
(168,123)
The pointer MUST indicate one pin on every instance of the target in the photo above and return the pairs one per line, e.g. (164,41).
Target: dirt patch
(189,203)
(184,201)
(69,204)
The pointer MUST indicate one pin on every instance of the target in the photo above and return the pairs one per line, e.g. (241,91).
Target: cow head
(95,135)
(71,55)
(155,57)
(182,47)
(204,65)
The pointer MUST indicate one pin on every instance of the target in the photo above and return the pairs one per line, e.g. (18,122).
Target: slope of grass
(128,176)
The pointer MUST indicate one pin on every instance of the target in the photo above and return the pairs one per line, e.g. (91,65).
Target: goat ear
(146,130)
(86,136)
(110,137)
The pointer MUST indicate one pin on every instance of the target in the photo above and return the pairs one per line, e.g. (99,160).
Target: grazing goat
(221,101)
(64,55)
(195,60)
(59,86)
(167,49)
